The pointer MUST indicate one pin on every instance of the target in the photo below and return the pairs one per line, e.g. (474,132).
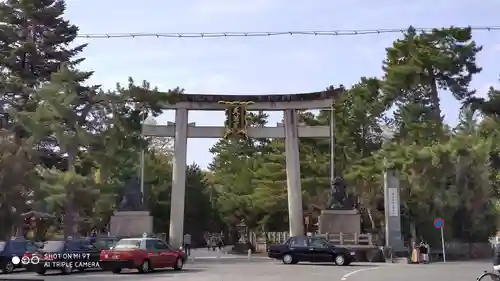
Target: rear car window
(2,245)
(128,244)
(318,242)
(18,246)
(74,245)
(298,242)
(104,243)
(53,246)
(31,247)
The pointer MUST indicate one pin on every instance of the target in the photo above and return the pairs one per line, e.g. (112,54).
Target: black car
(66,256)
(105,242)
(310,249)
(12,251)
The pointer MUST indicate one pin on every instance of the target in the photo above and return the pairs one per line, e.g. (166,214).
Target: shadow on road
(332,264)
(162,271)
(58,272)
(125,272)
(17,271)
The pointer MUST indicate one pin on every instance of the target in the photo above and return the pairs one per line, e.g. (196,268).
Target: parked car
(66,256)
(16,247)
(144,254)
(105,242)
(310,249)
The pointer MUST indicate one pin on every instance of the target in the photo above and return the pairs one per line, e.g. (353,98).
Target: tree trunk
(370,216)
(413,231)
(69,210)
(434,97)
(42,226)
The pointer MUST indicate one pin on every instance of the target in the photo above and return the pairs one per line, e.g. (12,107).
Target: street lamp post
(332,146)
(148,121)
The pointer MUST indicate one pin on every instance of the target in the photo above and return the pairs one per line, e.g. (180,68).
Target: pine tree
(418,66)
(35,40)
(63,113)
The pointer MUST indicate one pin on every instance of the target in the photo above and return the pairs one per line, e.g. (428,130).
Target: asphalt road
(213,267)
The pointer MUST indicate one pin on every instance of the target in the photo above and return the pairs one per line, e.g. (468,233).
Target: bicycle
(489,276)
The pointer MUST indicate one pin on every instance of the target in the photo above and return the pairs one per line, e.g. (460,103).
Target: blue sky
(283,64)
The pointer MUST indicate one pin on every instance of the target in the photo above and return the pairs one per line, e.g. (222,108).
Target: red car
(143,254)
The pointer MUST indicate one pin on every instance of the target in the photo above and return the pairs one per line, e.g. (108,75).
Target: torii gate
(236,107)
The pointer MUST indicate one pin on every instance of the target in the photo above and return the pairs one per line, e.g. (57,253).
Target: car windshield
(53,246)
(128,244)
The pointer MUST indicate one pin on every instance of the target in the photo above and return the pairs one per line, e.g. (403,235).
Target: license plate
(115,257)
(353,253)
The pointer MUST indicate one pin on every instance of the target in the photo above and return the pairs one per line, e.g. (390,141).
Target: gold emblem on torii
(236,119)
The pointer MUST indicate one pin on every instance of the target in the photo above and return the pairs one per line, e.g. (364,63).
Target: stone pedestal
(340,221)
(131,223)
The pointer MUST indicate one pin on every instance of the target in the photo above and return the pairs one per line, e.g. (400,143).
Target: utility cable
(352,32)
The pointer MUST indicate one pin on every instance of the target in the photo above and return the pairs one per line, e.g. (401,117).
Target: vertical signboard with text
(392,210)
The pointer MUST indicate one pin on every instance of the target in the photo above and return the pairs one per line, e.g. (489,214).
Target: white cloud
(483,90)
(209,84)
(122,59)
(224,7)
(304,58)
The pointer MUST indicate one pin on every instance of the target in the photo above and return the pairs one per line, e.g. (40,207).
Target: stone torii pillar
(178,198)
(294,190)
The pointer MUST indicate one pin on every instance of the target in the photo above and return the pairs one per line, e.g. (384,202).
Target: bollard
(249,254)
(218,253)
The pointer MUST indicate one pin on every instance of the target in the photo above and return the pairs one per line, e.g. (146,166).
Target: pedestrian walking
(220,245)
(187,244)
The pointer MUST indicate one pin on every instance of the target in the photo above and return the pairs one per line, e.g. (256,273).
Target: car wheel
(288,259)
(179,264)
(8,267)
(340,260)
(116,270)
(145,267)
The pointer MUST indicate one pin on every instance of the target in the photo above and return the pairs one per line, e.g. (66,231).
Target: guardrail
(335,238)
(348,238)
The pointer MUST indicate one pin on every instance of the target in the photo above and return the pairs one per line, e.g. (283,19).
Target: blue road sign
(438,222)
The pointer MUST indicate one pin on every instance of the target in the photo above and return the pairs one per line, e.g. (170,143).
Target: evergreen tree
(419,65)
(65,114)
(35,40)
(16,183)
(232,175)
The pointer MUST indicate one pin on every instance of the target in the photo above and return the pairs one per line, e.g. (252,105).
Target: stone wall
(467,251)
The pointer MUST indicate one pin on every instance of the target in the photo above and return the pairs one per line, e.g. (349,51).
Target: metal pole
(442,243)
(142,175)
(332,145)
(142,160)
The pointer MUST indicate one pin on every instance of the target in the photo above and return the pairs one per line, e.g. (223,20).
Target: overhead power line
(268,33)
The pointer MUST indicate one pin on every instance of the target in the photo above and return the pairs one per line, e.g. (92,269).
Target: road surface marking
(356,271)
